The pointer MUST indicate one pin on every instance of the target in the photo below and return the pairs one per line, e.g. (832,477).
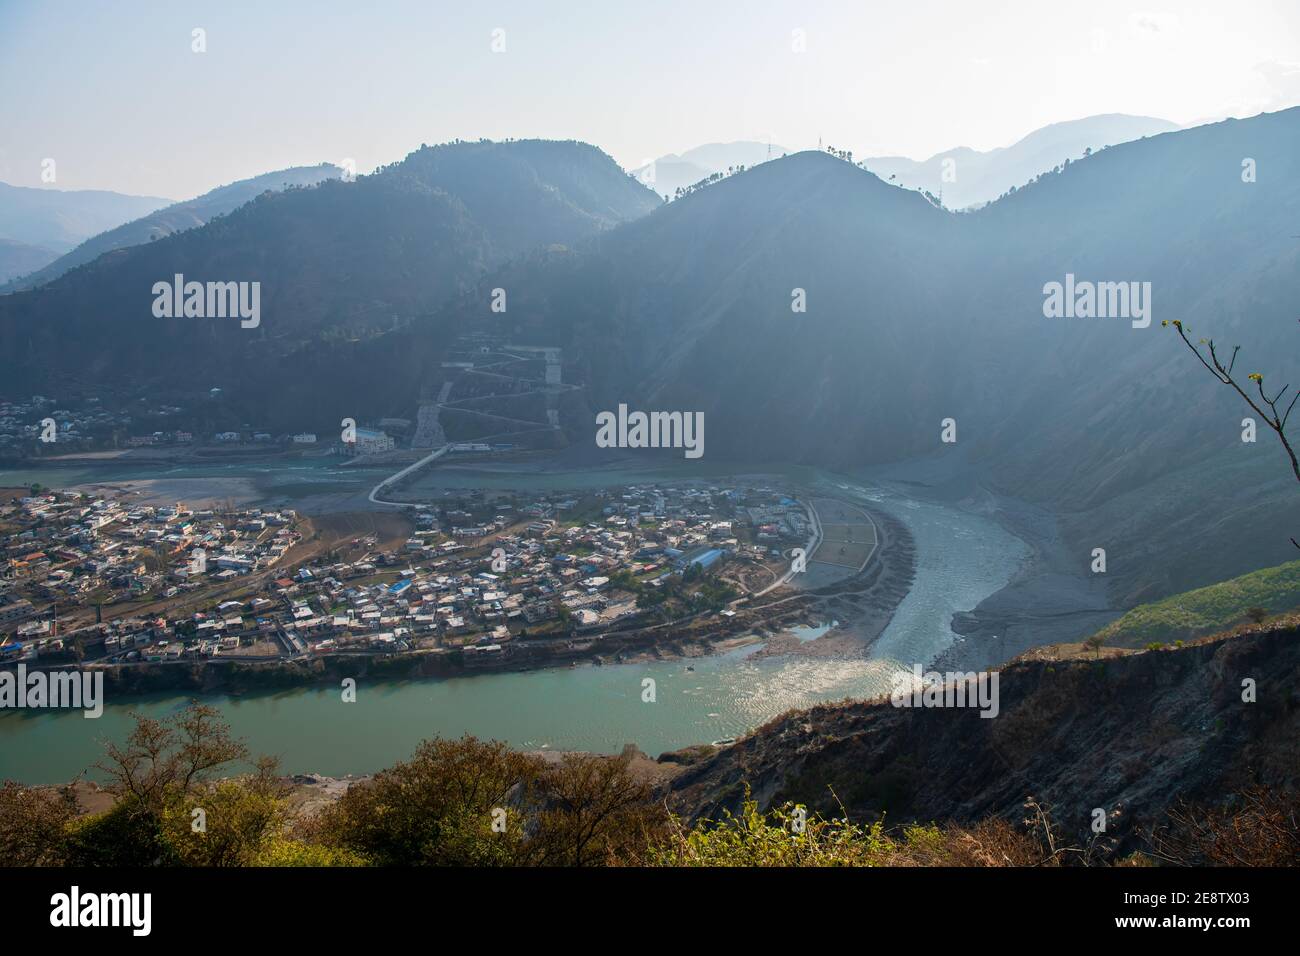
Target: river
(961,559)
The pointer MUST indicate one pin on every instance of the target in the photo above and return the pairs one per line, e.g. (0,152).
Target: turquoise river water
(961,559)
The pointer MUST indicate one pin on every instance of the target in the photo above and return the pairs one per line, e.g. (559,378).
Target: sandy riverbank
(194,492)
(1051,598)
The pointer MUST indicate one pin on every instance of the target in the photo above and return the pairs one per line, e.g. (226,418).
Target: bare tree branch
(1272,418)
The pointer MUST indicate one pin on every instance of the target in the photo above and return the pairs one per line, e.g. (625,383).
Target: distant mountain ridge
(964,176)
(669,173)
(336,261)
(20,258)
(176,218)
(58,219)
(974,177)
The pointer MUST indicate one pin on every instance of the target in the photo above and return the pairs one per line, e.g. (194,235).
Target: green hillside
(1208,609)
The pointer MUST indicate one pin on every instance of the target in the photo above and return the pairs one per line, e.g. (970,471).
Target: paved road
(813,542)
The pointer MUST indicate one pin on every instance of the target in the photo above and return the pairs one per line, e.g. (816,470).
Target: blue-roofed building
(704,557)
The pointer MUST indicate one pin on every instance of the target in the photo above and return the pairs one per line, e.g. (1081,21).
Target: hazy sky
(115,95)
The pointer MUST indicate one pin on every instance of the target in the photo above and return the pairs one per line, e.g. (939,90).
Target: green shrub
(782,837)
(282,851)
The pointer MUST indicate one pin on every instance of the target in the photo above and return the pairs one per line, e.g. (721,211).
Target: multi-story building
(369,441)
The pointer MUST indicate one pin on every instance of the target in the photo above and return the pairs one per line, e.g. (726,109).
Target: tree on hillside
(468,802)
(1273,417)
(174,754)
(439,808)
(169,808)
(594,809)
(32,822)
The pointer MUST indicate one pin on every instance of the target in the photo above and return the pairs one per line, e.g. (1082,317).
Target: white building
(369,441)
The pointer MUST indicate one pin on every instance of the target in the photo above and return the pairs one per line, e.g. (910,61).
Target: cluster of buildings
(41,424)
(64,550)
(475,575)
(778,522)
(27,424)
(477,581)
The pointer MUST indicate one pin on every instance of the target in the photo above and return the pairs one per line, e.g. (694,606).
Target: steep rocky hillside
(1134,732)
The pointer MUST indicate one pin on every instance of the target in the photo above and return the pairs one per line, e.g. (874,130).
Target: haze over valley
(913,311)
(690,424)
